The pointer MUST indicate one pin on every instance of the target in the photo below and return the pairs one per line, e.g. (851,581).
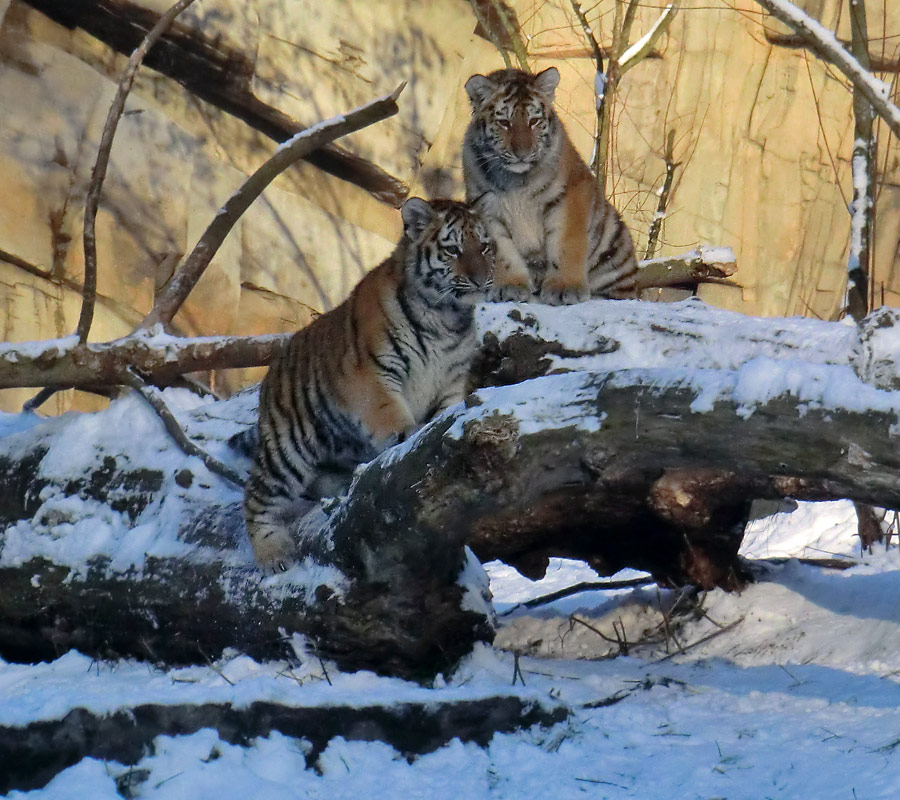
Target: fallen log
(652,468)
(161,358)
(34,754)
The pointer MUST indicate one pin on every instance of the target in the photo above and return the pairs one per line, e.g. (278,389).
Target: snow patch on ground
(797,699)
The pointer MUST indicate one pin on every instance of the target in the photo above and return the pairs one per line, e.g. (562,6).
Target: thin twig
(98,174)
(662,204)
(568,591)
(618,641)
(187,276)
(41,397)
(517,670)
(703,640)
(153,397)
(643,46)
(600,83)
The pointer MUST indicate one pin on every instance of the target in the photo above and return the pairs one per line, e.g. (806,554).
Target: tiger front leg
(387,418)
(567,248)
(267,512)
(512,279)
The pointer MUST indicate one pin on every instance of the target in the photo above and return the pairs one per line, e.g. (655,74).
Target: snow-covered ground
(789,689)
(798,699)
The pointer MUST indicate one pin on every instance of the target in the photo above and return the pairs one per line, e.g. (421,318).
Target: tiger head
(449,254)
(512,116)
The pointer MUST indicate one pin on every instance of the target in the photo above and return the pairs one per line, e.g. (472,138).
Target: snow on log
(647,433)
(116,543)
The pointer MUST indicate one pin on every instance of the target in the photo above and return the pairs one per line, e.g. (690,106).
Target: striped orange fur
(555,231)
(367,373)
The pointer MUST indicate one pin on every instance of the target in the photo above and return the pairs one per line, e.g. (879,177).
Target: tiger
(366,374)
(555,231)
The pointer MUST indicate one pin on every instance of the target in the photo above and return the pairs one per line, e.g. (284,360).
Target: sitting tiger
(554,229)
(366,374)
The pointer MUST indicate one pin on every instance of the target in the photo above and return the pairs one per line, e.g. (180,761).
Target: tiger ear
(547,81)
(479,88)
(416,214)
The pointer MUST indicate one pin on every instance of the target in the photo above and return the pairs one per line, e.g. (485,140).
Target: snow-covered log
(527,341)
(645,451)
(33,754)
(116,543)
(162,358)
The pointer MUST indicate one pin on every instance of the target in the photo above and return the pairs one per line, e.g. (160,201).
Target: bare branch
(489,32)
(154,398)
(643,46)
(98,174)
(664,192)
(863,171)
(312,138)
(512,32)
(600,81)
(796,41)
(823,43)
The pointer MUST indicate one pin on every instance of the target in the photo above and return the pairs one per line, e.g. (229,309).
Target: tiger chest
(523,216)
(441,375)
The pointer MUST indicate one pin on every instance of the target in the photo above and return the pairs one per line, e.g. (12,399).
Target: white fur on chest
(523,216)
(442,374)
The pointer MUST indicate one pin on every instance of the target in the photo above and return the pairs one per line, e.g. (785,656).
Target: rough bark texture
(178,611)
(654,488)
(33,754)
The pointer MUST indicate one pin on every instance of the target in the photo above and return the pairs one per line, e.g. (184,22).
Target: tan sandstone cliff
(763,133)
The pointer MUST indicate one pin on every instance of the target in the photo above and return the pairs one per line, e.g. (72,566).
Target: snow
(798,700)
(788,689)
(697,335)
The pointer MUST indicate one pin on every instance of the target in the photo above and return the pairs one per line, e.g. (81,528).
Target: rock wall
(762,132)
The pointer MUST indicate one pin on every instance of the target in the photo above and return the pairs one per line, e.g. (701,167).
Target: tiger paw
(511,293)
(557,293)
(275,552)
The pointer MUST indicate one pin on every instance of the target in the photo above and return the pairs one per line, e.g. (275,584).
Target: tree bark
(66,364)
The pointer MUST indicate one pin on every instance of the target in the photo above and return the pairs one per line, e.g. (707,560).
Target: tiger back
(554,229)
(367,373)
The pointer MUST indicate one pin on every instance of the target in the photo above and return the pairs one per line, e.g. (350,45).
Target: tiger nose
(482,271)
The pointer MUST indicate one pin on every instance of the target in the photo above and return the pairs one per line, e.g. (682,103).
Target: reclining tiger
(554,229)
(366,374)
